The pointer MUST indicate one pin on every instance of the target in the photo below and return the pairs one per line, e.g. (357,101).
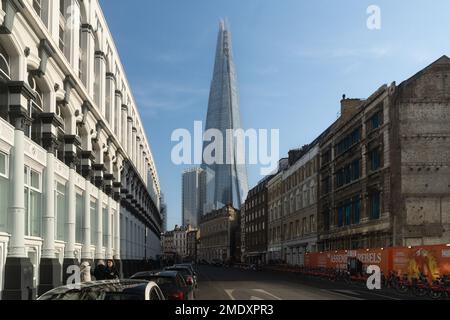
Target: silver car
(107,290)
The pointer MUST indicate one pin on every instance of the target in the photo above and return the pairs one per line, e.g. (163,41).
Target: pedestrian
(99,271)
(111,272)
(85,272)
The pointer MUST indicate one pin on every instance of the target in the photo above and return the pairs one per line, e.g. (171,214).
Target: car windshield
(132,291)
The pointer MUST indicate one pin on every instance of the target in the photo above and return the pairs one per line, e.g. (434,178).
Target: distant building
(193,196)
(218,235)
(164,213)
(254,224)
(226,180)
(192,239)
(300,198)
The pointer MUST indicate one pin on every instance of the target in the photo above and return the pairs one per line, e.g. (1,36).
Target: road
(234,284)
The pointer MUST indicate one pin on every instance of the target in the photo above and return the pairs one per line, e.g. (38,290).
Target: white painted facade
(71,209)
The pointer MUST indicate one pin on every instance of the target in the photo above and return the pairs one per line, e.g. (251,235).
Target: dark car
(189,276)
(107,290)
(172,284)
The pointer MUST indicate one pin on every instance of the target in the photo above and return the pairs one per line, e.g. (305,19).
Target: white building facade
(77,177)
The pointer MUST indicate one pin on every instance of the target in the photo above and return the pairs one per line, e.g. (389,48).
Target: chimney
(349,106)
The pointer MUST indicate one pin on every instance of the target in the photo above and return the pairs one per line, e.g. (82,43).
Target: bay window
(60,204)
(93,208)
(79,218)
(33,202)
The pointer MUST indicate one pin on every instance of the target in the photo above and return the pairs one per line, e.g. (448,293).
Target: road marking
(332,292)
(268,293)
(230,294)
(347,292)
(384,296)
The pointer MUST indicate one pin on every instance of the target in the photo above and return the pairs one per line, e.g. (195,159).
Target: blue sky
(295,59)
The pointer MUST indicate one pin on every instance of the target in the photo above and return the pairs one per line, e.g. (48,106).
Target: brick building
(384,175)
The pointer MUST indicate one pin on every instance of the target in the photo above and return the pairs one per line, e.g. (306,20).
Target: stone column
(99,243)
(130,138)
(87,50)
(100,71)
(110,103)
(18,267)
(69,250)
(49,268)
(119,115)
(109,249)
(134,146)
(86,254)
(124,128)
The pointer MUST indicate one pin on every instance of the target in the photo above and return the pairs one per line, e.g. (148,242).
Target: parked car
(107,290)
(188,275)
(172,284)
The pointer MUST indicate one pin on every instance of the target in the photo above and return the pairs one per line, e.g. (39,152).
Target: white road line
(230,294)
(340,294)
(268,293)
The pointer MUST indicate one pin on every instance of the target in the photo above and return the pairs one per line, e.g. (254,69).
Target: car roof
(110,285)
(163,274)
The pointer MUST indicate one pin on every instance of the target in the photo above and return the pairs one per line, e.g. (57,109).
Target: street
(217,283)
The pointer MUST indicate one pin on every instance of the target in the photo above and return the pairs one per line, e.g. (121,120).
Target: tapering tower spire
(226,182)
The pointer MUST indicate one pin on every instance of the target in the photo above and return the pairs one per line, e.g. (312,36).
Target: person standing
(111,272)
(85,272)
(100,271)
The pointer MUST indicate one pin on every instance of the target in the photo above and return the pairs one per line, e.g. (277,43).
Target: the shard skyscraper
(226,183)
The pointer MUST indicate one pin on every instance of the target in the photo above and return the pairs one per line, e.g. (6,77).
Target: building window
(60,204)
(326,220)
(348,174)
(5,71)
(348,142)
(33,202)
(340,217)
(105,226)
(4,191)
(35,107)
(312,224)
(375,121)
(375,206)
(375,159)
(79,218)
(357,211)
(348,214)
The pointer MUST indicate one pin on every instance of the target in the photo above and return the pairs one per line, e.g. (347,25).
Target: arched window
(5,72)
(35,108)
(61,133)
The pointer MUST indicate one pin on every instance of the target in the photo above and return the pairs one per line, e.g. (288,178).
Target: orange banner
(432,261)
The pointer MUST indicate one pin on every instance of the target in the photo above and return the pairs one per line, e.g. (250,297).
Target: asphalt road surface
(234,284)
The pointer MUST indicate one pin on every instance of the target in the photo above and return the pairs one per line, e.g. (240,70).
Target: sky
(294,59)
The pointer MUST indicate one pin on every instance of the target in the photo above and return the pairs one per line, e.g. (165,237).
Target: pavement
(217,283)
